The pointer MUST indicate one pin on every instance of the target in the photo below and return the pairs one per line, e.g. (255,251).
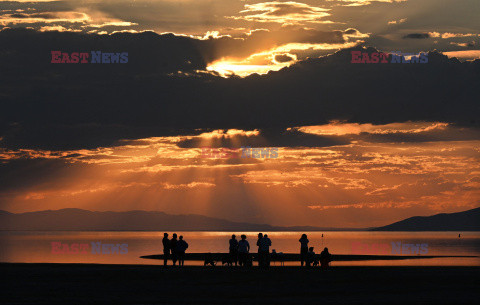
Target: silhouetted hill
(83,220)
(462,221)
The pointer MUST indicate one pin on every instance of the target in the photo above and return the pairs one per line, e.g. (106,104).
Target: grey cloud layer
(198,17)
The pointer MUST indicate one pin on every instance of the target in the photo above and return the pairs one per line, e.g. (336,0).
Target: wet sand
(294,257)
(149,284)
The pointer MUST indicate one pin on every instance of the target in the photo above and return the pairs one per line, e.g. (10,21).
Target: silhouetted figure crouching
(310,258)
(325,258)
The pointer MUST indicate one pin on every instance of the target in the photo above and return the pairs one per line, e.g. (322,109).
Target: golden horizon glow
(243,67)
(228,67)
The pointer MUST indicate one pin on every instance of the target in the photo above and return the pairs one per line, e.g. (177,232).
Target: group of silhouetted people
(239,252)
(308,257)
(174,248)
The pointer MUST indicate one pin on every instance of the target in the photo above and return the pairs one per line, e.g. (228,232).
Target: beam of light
(334,185)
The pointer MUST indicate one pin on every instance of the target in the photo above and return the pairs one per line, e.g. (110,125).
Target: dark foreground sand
(130,284)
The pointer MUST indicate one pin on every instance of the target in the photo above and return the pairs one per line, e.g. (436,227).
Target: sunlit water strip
(36,247)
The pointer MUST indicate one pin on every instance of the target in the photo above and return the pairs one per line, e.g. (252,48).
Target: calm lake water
(36,247)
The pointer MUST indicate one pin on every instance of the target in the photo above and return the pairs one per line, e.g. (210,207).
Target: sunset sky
(270,34)
(357,146)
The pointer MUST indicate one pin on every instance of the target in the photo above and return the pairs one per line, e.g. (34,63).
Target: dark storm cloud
(69,106)
(417,36)
(283,58)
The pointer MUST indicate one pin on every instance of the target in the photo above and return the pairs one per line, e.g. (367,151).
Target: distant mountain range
(83,220)
(461,221)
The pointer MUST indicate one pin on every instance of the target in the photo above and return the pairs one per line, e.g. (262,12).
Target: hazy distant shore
(73,219)
(132,284)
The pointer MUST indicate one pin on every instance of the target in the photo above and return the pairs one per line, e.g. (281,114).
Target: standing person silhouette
(166,248)
(260,255)
(233,249)
(180,251)
(173,248)
(303,249)
(263,244)
(243,249)
(266,243)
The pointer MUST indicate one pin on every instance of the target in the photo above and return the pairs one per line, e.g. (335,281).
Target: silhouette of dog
(209,260)
(278,257)
(227,261)
(316,262)
(211,263)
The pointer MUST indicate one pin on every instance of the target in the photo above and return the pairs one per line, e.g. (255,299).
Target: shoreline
(294,257)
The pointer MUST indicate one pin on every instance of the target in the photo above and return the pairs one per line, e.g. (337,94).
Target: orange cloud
(283,12)
(363,2)
(338,128)
(44,17)
(304,185)
(451,35)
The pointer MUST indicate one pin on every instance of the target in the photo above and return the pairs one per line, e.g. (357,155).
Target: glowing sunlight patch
(227,67)
(338,128)
(271,60)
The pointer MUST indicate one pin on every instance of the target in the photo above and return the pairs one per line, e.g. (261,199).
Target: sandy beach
(149,284)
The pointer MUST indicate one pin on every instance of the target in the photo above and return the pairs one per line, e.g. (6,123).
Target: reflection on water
(36,247)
